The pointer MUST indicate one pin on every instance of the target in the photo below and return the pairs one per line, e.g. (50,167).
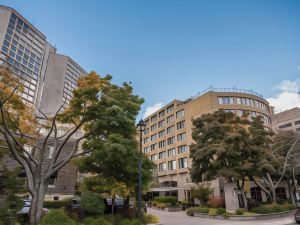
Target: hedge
(167,199)
(56,204)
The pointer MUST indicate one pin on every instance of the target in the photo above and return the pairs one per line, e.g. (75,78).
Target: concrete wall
(53,85)
(4,20)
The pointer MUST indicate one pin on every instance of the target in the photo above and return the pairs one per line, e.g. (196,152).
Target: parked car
(23,214)
(297,216)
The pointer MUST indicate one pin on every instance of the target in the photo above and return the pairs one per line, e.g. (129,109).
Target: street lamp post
(141,127)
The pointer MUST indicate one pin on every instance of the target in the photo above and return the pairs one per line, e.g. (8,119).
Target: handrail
(234,89)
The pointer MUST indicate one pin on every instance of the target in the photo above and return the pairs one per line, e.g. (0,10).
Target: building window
(170,129)
(171,140)
(146,140)
(161,144)
(161,113)
(145,150)
(297,122)
(153,137)
(162,155)
(171,152)
(280,193)
(153,118)
(181,137)
(51,150)
(153,147)
(225,100)
(182,149)
(172,165)
(52,180)
(161,133)
(170,108)
(146,131)
(180,113)
(229,110)
(153,157)
(28,149)
(153,127)
(170,119)
(162,167)
(180,125)
(161,123)
(285,125)
(256,194)
(182,163)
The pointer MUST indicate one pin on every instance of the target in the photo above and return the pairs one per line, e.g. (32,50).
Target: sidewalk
(180,218)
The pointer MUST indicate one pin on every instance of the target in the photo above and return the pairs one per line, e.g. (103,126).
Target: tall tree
(224,147)
(94,101)
(115,153)
(279,164)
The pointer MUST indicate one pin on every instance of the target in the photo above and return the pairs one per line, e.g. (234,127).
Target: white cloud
(152,109)
(288,97)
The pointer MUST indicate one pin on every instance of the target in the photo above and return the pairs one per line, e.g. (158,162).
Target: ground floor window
(256,194)
(281,193)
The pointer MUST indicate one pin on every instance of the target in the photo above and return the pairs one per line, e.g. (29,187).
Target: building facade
(48,79)
(287,120)
(168,135)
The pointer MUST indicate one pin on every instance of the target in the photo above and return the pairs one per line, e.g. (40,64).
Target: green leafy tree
(11,185)
(92,203)
(226,145)
(99,109)
(201,192)
(115,154)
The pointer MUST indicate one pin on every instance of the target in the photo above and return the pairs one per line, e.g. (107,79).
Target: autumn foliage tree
(96,104)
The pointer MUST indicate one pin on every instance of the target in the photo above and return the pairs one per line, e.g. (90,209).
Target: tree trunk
(244,199)
(112,205)
(36,207)
(273,191)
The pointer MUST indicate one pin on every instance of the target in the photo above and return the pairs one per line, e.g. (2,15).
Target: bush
(92,203)
(221,211)
(130,222)
(161,205)
(149,218)
(190,212)
(57,216)
(272,208)
(226,215)
(201,192)
(167,199)
(216,202)
(212,212)
(95,221)
(240,211)
(56,204)
(202,209)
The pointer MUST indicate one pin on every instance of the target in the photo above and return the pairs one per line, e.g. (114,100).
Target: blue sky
(175,48)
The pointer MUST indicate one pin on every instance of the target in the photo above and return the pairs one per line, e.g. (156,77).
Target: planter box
(245,218)
(170,209)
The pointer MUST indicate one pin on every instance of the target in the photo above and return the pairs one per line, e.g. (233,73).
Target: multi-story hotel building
(48,79)
(168,135)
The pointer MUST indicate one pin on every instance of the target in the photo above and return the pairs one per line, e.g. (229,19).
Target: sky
(173,49)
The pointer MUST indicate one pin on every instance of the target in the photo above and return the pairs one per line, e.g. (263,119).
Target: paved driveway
(180,218)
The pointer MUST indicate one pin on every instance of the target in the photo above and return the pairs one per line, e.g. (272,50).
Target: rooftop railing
(234,90)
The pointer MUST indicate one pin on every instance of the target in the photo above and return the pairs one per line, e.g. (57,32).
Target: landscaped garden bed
(267,211)
(170,204)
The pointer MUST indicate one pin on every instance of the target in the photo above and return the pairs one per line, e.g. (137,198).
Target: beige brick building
(167,136)
(287,120)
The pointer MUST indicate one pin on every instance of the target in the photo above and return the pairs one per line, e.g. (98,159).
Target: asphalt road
(180,218)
